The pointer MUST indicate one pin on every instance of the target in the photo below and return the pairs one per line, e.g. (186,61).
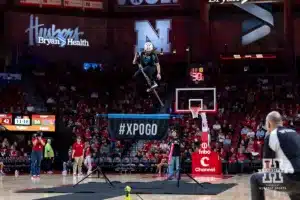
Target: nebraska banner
(138,126)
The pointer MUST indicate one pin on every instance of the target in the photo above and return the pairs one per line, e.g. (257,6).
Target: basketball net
(195,111)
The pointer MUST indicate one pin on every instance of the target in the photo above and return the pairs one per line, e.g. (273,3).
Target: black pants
(150,71)
(48,164)
(288,184)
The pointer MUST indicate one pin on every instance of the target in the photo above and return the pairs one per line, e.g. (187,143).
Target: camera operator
(37,154)
(174,156)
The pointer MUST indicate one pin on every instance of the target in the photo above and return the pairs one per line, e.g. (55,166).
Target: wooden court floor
(10,184)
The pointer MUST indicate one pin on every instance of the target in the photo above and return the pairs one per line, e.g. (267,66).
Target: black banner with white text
(138,126)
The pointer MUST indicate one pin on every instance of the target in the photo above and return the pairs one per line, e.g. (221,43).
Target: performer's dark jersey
(148,59)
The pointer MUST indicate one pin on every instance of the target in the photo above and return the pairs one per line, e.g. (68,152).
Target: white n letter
(159,36)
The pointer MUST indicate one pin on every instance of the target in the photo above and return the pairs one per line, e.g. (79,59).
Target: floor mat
(96,190)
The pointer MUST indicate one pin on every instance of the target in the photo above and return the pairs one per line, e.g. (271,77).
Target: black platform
(96,190)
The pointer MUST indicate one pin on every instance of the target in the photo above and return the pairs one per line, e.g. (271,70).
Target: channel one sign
(136,3)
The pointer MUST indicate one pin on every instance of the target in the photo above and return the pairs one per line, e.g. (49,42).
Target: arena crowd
(237,128)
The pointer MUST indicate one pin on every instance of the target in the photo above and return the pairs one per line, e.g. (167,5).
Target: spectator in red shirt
(223,154)
(77,155)
(242,160)
(162,163)
(13,151)
(223,157)
(38,144)
(232,162)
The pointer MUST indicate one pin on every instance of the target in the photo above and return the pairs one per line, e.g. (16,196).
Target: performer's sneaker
(152,87)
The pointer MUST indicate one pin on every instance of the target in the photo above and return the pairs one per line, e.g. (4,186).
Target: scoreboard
(196,74)
(82,4)
(16,122)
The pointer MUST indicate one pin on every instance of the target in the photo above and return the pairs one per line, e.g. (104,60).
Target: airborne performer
(148,62)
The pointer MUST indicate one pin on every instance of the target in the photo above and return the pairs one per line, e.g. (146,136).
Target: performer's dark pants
(150,71)
(289,185)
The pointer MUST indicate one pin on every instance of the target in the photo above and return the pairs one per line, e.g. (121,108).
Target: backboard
(188,98)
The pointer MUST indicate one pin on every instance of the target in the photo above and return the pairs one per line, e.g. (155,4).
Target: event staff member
(77,155)
(174,157)
(282,145)
(38,144)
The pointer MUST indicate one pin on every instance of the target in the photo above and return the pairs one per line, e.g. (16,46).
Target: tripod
(179,176)
(99,171)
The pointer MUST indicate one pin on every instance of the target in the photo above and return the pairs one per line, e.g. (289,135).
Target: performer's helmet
(148,47)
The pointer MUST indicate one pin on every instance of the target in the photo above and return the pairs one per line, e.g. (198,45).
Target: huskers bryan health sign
(138,126)
(42,34)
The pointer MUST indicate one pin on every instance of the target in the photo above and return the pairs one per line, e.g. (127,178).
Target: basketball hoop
(195,111)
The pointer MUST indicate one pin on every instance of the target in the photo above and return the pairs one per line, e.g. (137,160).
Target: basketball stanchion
(195,111)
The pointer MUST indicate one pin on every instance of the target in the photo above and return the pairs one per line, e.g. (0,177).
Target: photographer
(37,154)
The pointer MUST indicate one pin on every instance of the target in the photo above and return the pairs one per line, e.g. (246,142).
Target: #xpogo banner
(138,126)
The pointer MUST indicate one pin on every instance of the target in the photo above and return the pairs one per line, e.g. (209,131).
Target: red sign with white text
(73,3)
(93,4)
(31,2)
(206,162)
(51,3)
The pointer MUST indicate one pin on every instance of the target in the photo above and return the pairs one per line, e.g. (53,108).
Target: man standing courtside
(174,157)
(38,144)
(77,155)
(282,150)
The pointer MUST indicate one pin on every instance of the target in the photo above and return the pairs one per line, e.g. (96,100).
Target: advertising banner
(138,126)
(81,4)
(167,35)
(206,162)
(54,37)
(256,29)
(143,5)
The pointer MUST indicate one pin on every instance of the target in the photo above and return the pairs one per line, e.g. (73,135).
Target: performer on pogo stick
(149,63)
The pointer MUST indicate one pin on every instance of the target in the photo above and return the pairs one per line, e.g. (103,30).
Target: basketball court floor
(23,188)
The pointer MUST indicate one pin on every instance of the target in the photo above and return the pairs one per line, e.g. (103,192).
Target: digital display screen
(82,4)
(197,74)
(12,122)
(22,120)
(89,66)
